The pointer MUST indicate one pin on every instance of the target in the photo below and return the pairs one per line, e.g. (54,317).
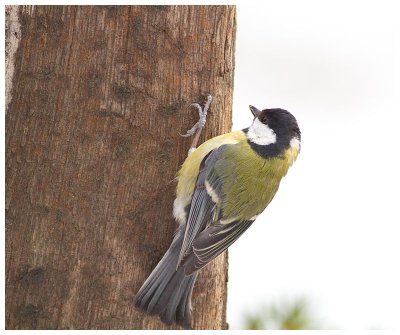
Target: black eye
(263,119)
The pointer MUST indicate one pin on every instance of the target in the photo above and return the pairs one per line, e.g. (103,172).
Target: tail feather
(168,291)
(173,306)
(183,315)
(154,284)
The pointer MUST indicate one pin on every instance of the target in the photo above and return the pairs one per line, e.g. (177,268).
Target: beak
(255,111)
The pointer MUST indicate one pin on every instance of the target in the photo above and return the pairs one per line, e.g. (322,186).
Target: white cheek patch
(260,133)
(295,143)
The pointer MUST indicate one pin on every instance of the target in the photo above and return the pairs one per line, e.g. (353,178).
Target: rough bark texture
(98,97)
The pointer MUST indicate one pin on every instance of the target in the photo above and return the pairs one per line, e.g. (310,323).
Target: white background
(331,234)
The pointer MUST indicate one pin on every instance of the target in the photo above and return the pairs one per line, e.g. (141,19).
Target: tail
(168,291)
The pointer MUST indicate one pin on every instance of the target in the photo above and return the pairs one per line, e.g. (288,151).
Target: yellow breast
(187,175)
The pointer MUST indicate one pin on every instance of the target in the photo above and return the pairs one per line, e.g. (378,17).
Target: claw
(202,117)
(191,131)
(195,104)
(196,129)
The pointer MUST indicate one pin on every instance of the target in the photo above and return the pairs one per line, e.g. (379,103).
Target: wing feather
(212,242)
(203,208)
(205,236)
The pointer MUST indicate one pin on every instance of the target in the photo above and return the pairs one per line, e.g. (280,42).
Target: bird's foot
(197,128)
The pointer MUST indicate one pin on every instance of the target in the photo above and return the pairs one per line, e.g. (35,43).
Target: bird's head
(274,125)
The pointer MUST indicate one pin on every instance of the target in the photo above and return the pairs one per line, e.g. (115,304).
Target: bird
(223,186)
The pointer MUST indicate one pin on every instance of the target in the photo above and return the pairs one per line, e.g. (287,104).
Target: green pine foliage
(293,315)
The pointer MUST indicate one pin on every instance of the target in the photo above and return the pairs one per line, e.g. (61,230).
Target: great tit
(223,186)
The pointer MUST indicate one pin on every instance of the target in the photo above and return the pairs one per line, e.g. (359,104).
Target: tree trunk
(96,98)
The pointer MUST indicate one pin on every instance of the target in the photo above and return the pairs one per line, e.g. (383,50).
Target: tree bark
(97,98)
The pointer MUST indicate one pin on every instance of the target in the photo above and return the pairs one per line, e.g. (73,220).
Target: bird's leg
(197,128)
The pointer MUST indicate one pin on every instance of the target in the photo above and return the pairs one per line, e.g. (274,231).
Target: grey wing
(205,237)
(213,241)
(203,210)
